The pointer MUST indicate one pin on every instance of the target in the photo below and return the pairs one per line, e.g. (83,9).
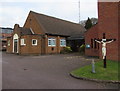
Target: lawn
(109,73)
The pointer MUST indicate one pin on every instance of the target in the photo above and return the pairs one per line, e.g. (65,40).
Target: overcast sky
(16,11)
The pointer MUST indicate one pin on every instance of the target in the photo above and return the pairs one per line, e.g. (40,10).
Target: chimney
(16,26)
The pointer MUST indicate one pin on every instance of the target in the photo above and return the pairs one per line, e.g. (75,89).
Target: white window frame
(8,43)
(22,42)
(64,42)
(35,40)
(51,40)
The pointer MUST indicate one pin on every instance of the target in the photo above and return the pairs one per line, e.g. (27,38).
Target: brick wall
(108,23)
(91,34)
(9,48)
(31,22)
(119,30)
(54,49)
(29,48)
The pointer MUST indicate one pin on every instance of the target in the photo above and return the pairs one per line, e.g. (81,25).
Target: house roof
(57,26)
(24,31)
(94,26)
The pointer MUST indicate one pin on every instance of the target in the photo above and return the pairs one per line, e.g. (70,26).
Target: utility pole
(79,11)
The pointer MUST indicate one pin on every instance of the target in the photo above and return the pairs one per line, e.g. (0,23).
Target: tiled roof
(25,31)
(57,26)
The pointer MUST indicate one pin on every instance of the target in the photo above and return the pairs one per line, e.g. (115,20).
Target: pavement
(46,72)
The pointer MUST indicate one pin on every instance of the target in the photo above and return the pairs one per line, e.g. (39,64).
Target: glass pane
(49,42)
(34,41)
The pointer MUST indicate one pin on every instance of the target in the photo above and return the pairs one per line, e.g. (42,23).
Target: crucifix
(104,41)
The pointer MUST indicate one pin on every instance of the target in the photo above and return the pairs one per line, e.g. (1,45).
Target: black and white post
(104,41)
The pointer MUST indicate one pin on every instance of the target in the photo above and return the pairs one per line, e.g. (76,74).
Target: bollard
(93,66)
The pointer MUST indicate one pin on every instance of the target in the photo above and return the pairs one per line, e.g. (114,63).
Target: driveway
(46,72)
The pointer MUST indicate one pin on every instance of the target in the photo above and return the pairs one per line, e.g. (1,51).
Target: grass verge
(109,73)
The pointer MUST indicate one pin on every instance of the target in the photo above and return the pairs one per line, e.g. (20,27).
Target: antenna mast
(79,11)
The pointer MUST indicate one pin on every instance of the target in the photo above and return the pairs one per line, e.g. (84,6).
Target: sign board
(87,46)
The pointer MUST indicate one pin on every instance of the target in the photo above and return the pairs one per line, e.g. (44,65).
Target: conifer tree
(88,23)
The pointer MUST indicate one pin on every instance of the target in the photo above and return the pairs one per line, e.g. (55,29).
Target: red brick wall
(41,48)
(91,34)
(29,48)
(108,23)
(9,48)
(119,30)
(31,22)
(56,48)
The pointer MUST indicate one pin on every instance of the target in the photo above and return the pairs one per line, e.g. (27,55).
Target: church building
(109,25)
(42,34)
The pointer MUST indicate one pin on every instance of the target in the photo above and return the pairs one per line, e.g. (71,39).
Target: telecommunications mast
(79,11)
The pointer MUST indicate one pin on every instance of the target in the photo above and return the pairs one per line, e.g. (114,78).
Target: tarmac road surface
(46,72)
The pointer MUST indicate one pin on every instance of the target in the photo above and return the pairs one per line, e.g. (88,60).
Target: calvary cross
(104,41)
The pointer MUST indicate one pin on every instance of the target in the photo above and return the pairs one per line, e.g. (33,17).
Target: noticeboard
(87,46)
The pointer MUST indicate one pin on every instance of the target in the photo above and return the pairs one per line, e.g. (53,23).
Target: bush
(82,48)
(67,49)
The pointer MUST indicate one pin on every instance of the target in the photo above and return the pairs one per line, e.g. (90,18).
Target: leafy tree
(94,21)
(88,23)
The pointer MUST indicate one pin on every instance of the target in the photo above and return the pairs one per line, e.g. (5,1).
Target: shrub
(82,48)
(67,49)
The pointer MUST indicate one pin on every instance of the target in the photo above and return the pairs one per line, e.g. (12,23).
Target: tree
(93,20)
(88,23)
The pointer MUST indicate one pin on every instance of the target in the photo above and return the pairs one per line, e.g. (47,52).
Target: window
(8,42)
(98,45)
(34,41)
(62,42)
(95,44)
(91,43)
(23,42)
(51,42)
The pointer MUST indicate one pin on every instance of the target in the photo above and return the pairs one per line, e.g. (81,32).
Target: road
(46,72)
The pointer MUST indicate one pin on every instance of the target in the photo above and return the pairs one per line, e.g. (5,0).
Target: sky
(16,11)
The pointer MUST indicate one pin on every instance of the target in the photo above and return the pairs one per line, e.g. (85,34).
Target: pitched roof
(24,31)
(57,26)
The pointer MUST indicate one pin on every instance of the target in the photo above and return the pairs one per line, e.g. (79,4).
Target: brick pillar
(46,44)
(119,31)
(19,45)
(58,44)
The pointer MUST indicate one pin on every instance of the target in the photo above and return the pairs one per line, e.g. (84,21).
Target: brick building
(4,33)
(108,23)
(43,34)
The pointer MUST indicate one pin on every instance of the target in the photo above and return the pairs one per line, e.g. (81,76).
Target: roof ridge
(53,25)
(44,30)
(24,27)
(56,18)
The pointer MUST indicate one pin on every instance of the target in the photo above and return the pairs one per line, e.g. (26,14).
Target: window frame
(64,42)
(35,43)
(53,44)
(22,42)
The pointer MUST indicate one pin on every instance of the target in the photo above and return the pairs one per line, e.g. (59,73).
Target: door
(15,45)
